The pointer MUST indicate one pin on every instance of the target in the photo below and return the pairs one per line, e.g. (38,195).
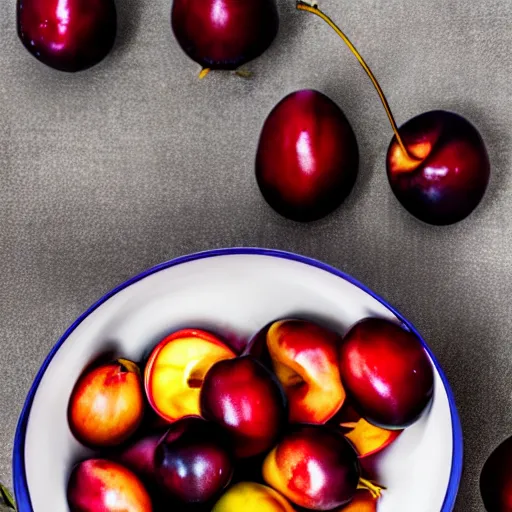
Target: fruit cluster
(284,422)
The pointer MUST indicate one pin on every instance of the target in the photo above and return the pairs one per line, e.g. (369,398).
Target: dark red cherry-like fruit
(247,400)
(387,372)
(224,34)
(437,163)
(449,177)
(307,157)
(68,35)
(496,479)
(193,461)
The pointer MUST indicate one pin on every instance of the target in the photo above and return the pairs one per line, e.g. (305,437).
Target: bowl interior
(233,294)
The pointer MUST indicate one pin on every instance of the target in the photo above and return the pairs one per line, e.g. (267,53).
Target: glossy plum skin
(139,456)
(193,461)
(305,360)
(107,404)
(496,479)
(387,373)
(454,172)
(313,466)
(307,157)
(224,34)
(67,35)
(99,485)
(246,399)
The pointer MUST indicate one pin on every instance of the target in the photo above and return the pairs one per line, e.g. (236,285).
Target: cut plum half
(176,369)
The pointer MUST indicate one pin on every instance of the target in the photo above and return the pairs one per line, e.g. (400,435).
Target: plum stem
(128,366)
(243,73)
(203,73)
(312,7)
(373,489)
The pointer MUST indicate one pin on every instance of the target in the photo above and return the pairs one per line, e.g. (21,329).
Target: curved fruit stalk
(372,487)
(304,5)
(437,163)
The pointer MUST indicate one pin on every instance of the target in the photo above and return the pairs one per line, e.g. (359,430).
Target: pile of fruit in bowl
(286,424)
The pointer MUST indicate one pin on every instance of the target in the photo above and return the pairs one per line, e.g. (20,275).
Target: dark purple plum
(193,461)
(247,400)
(496,479)
(224,34)
(450,178)
(307,158)
(67,35)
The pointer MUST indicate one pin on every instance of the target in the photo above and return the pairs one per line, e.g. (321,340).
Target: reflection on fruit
(224,34)
(367,439)
(246,399)
(449,178)
(305,359)
(107,404)
(176,368)
(101,485)
(252,497)
(496,479)
(315,467)
(68,35)
(387,373)
(307,158)
(193,461)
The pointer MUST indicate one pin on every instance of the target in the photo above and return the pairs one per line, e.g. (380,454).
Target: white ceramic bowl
(236,291)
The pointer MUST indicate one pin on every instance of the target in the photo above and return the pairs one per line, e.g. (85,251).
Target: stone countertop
(110,171)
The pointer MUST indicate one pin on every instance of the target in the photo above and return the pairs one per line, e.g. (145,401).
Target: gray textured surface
(108,172)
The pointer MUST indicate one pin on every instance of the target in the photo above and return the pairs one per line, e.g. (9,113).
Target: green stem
(7,497)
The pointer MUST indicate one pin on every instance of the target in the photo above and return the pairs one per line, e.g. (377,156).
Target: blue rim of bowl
(18,467)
